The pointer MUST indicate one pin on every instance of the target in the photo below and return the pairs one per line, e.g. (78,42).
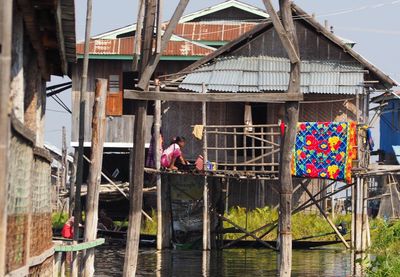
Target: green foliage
(58,219)
(303,224)
(386,246)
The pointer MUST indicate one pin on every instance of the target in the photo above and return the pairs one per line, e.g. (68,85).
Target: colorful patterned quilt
(325,150)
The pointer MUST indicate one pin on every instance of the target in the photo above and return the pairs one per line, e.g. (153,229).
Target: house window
(114,96)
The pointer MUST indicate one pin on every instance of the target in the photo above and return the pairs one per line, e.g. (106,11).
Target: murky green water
(231,262)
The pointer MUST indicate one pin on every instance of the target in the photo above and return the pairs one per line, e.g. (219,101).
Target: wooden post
(137,156)
(82,106)
(64,161)
(93,184)
(151,66)
(6,13)
(72,185)
(163,218)
(138,35)
(287,34)
(206,196)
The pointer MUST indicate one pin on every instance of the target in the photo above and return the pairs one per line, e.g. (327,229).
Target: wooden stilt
(137,156)
(136,191)
(206,200)
(287,34)
(358,215)
(92,198)
(365,222)
(163,213)
(353,216)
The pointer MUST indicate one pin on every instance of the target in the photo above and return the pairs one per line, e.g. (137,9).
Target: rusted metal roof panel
(124,46)
(212,31)
(258,74)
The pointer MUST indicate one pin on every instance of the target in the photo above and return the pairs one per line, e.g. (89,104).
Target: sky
(373,24)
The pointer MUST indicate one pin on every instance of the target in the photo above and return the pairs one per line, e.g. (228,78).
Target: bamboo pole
(206,196)
(6,14)
(82,107)
(64,161)
(94,179)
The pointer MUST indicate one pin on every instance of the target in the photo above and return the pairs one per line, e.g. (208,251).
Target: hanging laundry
(198,131)
(248,118)
(325,150)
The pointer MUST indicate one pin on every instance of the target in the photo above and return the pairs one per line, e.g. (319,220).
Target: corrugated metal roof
(257,74)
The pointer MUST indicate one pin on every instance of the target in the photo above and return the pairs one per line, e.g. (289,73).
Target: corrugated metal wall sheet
(256,74)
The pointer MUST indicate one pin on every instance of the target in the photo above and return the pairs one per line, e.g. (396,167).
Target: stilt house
(37,43)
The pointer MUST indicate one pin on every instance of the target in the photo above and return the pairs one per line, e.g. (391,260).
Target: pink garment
(173,151)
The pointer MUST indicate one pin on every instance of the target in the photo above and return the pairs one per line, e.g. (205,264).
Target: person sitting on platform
(172,157)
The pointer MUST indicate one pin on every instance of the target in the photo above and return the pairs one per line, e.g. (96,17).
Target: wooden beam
(151,66)
(212,97)
(78,247)
(146,51)
(32,27)
(60,38)
(138,35)
(282,33)
(93,184)
(6,13)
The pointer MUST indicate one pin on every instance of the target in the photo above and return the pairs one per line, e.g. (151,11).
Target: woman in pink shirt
(172,157)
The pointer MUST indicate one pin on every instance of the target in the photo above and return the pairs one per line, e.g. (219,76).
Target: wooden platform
(219,174)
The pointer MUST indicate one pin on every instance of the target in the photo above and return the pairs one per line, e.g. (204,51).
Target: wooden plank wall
(312,46)
(119,128)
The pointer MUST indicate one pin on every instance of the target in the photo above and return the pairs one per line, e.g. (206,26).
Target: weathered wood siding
(311,44)
(119,128)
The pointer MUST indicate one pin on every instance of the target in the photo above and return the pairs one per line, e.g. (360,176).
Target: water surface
(229,262)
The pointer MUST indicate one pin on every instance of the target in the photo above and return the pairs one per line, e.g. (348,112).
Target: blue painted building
(390,131)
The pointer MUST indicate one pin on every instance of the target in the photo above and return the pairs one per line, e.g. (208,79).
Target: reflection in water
(229,262)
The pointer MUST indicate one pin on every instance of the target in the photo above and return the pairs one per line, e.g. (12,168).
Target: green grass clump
(303,224)
(386,246)
(150,227)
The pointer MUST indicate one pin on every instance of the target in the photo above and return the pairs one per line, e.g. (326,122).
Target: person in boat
(68,229)
(172,157)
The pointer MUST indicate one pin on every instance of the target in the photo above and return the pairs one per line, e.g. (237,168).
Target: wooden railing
(252,149)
